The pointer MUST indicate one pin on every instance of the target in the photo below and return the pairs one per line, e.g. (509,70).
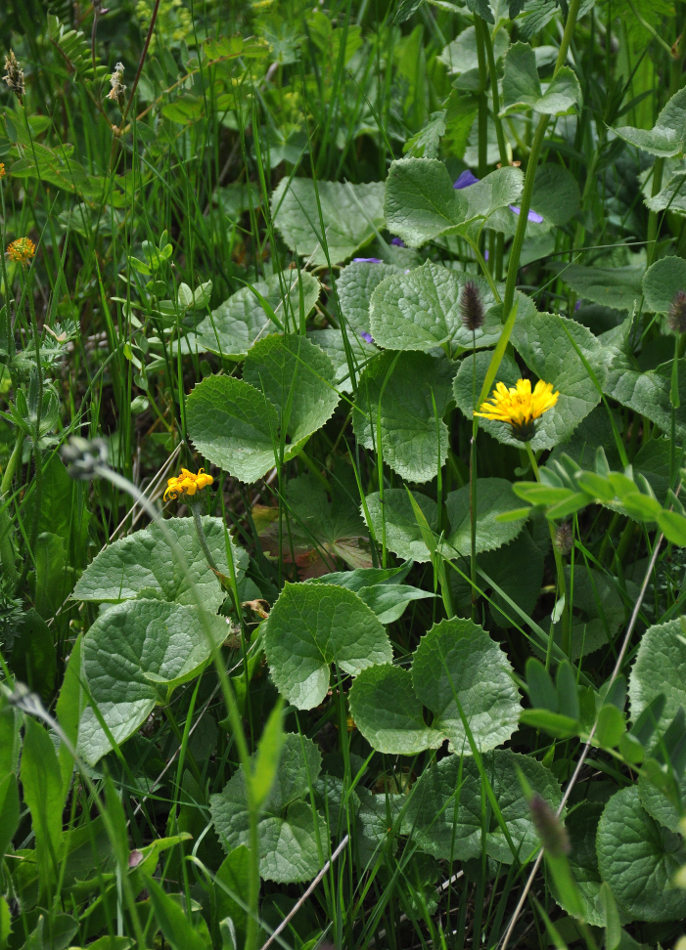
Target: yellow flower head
(21,251)
(519,406)
(2,170)
(187,483)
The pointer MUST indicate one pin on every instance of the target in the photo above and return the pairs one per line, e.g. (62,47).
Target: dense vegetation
(342,379)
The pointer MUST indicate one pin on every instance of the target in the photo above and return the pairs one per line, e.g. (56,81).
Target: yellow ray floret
(187,483)
(519,406)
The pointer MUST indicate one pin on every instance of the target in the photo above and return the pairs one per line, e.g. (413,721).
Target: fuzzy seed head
(551,831)
(118,89)
(471,306)
(564,539)
(677,313)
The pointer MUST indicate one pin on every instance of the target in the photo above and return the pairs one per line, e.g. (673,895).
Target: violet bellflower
(467,178)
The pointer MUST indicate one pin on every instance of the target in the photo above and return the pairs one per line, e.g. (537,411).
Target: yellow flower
(187,483)
(21,251)
(519,406)
(2,170)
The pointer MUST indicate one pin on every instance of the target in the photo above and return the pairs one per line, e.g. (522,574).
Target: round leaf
(401,400)
(234,426)
(421,310)
(130,653)
(388,714)
(494,496)
(659,666)
(458,663)
(663,280)
(394,522)
(638,859)
(314,625)
(142,564)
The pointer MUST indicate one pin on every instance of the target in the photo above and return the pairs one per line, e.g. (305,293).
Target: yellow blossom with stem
(187,483)
(519,406)
(21,251)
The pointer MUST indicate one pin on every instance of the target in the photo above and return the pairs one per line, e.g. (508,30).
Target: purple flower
(398,242)
(367,260)
(466,179)
(367,337)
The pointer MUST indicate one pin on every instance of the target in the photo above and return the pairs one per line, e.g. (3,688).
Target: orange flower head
(187,483)
(21,251)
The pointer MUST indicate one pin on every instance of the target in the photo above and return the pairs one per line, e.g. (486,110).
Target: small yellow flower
(187,483)
(21,251)
(519,406)
(2,170)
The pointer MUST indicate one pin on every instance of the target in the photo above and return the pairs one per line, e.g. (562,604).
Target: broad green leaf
(238,323)
(461,55)
(616,287)
(638,859)
(668,135)
(133,655)
(295,376)
(493,497)
(291,836)
(333,343)
(421,310)
(312,626)
(662,281)
(422,204)
(394,523)
(355,285)
(231,886)
(648,393)
(522,88)
(548,345)
(672,195)
(518,571)
(556,194)
(458,663)
(659,666)
(388,713)
(143,565)
(400,402)
(666,809)
(234,426)
(447,815)
(351,214)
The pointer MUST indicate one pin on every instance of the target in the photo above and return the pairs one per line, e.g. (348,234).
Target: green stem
(561,590)
(534,156)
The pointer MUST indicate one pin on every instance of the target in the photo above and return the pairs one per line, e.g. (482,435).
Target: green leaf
(42,791)
(132,656)
(234,426)
(494,496)
(291,836)
(267,756)
(662,281)
(548,345)
(458,663)
(394,523)
(638,859)
(172,919)
(295,376)
(658,669)
(521,85)
(238,323)
(406,394)
(446,815)
(351,214)
(421,310)
(668,135)
(648,393)
(142,565)
(312,626)
(9,811)
(422,204)
(355,285)
(556,194)
(388,713)
(616,287)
